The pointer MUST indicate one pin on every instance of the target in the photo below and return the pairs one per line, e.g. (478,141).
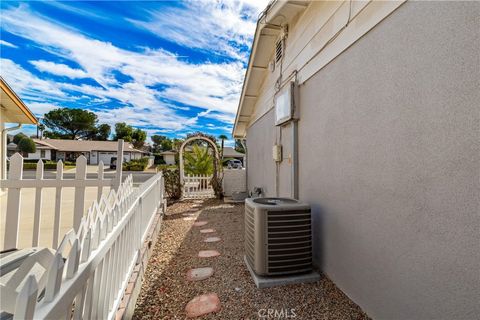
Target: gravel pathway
(166,289)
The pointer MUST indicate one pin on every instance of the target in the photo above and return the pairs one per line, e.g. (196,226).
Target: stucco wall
(260,166)
(233,181)
(389,159)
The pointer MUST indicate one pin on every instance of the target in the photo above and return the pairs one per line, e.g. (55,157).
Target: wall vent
(279,48)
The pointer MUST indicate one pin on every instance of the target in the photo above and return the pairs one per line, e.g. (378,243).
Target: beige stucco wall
(389,154)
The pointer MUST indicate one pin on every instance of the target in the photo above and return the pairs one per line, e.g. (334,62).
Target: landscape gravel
(166,290)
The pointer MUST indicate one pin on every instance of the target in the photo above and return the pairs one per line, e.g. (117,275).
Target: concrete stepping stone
(207,230)
(198,274)
(200,223)
(208,253)
(212,239)
(202,305)
(188,214)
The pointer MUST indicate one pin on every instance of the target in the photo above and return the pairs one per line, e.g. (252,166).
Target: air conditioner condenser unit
(278,236)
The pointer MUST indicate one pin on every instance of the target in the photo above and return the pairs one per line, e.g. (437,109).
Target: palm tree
(223,138)
(198,161)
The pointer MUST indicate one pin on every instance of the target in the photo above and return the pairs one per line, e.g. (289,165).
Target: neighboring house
(12,110)
(69,150)
(43,151)
(229,152)
(169,156)
(384,145)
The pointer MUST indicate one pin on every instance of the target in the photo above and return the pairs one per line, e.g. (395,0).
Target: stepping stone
(189,218)
(198,274)
(207,230)
(188,214)
(202,305)
(200,223)
(208,253)
(212,239)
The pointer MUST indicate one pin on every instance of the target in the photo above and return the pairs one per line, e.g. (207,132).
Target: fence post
(38,205)
(79,204)
(58,204)
(118,174)
(13,203)
(26,299)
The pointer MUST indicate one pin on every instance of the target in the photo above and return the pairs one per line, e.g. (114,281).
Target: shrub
(136,164)
(158,159)
(29,166)
(26,145)
(173,187)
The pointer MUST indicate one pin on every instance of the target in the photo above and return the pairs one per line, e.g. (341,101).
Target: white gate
(196,187)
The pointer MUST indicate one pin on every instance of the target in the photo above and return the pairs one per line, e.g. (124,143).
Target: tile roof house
(69,150)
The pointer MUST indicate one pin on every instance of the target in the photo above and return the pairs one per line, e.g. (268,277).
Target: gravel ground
(165,290)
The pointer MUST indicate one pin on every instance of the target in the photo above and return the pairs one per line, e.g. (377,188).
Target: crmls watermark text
(277,313)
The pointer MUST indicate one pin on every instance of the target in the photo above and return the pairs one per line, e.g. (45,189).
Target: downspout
(245,162)
(4,149)
(295,159)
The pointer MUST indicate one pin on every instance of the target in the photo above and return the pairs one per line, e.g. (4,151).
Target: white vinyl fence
(86,276)
(196,187)
(16,182)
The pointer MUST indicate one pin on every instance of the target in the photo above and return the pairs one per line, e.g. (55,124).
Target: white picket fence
(87,275)
(197,187)
(16,183)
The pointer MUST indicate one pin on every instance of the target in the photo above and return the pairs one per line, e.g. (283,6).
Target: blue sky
(168,67)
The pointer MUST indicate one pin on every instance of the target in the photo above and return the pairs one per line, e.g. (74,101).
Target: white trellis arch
(197,186)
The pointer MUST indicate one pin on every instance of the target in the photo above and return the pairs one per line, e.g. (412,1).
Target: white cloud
(214,87)
(40,108)
(8,44)
(219,26)
(58,69)
(30,86)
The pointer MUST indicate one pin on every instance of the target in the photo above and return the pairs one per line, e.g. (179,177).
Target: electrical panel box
(277,153)
(284,104)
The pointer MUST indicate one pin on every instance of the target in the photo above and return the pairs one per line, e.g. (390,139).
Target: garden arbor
(200,186)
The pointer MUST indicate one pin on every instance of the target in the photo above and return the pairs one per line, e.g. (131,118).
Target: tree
(239,146)
(40,129)
(223,138)
(71,123)
(161,143)
(123,131)
(18,137)
(103,132)
(26,145)
(126,132)
(138,138)
(198,161)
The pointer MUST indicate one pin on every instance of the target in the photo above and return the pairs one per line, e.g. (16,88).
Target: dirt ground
(165,291)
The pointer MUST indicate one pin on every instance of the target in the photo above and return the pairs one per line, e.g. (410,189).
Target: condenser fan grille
(289,244)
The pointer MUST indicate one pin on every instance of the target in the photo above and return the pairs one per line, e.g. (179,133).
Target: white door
(106,157)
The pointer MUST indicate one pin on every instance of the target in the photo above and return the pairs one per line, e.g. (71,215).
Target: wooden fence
(16,183)
(195,187)
(86,276)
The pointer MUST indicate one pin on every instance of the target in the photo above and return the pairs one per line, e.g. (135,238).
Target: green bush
(136,164)
(158,159)
(173,187)
(26,145)
(47,165)
(29,166)
(162,167)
